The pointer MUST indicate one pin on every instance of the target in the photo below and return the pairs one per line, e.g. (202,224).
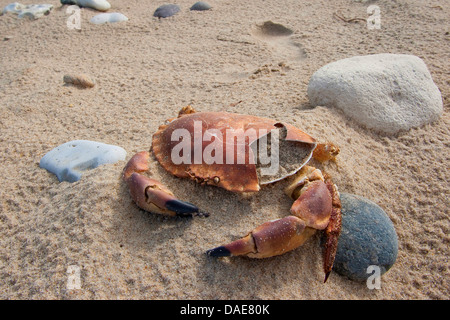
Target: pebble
(69,160)
(166,10)
(81,80)
(387,93)
(200,6)
(367,238)
(32,11)
(100,5)
(108,17)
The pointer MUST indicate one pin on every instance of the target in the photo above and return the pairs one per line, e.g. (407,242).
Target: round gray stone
(367,238)
(166,10)
(200,6)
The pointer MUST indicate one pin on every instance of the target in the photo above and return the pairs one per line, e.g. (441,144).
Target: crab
(224,153)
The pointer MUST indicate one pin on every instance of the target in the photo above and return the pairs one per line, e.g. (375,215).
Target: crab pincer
(310,212)
(150,194)
(316,207)
(269,239)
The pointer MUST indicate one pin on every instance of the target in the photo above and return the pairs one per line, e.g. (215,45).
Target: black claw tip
(219,252)
(326,276)
(181,208)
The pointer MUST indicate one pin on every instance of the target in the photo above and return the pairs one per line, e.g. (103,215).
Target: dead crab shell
(296,148)
(238,166)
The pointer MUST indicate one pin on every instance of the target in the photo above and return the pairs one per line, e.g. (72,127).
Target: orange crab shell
(233,177)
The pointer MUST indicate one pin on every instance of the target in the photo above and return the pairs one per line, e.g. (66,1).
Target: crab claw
(313,201)
(317,203)
(269,239)
(150,194)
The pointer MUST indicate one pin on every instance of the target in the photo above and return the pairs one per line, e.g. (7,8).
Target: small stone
(200,6)
(81,80)
(271,29)
(108,17)
(166,10)
(367,238)
(69,160)
(388,93)
(100,5)
(32,11)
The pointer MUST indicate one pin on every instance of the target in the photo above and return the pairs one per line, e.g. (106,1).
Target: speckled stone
(367,238)
(166,10)
(69,160)
(200,6)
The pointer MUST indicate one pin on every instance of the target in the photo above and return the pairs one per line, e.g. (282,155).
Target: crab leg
(333,229)
(150,194)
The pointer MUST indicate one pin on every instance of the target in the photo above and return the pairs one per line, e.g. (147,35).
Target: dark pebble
(200,6)
(166,10)
(367,238)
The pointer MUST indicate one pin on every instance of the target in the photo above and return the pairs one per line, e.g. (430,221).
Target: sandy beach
(146,69)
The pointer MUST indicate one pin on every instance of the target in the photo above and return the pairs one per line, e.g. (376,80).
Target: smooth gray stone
(200,6)
(367,238)
(166,10)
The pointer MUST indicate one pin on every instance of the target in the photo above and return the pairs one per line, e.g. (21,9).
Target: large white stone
(69,160)
(100,5)
(388,93)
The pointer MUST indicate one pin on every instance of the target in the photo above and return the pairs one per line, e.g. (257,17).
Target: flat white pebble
(69,160)
(108,17)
